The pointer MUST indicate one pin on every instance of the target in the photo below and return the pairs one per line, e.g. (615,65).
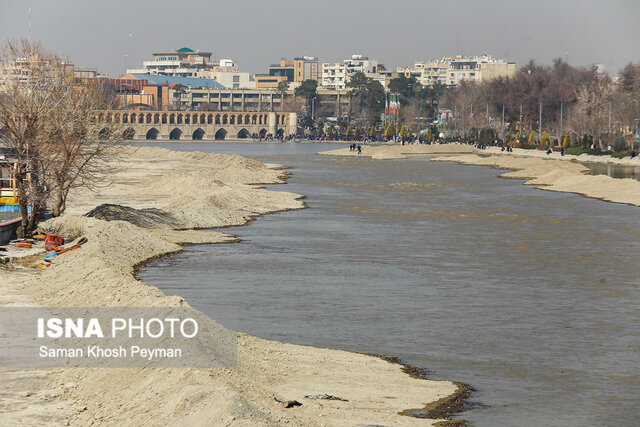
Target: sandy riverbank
(549,172)
(200,191)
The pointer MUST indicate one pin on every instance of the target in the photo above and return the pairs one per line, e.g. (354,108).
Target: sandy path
(204,190)
(27,397)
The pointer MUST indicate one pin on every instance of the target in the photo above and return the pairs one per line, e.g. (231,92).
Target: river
(532,297)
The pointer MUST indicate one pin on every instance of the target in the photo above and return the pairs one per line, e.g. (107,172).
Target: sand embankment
(548,172)
(202,190)
(381,152)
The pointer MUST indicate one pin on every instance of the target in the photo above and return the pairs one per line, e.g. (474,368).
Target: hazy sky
(256,33)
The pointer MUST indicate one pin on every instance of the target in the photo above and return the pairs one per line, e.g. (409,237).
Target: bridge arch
(152,134)
(263,132)
(128,133)
(198,134)
(221,134)
(104,133)
(175,134)
(243,133)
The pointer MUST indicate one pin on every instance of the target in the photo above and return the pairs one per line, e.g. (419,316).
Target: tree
(370,94)
(532,138)
(404,132)
(390,131)
(331,131)
(545,138)
(429,136)
(52,124)
(406,87)
(566,143)
(348,132)
(373,132)
(307,90)
(178,92)
(283,87)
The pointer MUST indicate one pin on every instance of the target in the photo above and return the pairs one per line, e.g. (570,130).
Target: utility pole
(540,123)
(502,118)
(609,118)
(520,132)
(561,122)
(487,114)
(455,118)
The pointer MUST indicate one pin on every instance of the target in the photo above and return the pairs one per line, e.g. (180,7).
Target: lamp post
(520,130)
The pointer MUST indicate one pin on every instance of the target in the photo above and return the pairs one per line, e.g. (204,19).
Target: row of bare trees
(48,122)
(571,101)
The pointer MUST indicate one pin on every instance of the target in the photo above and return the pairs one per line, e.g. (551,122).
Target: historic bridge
(192,125)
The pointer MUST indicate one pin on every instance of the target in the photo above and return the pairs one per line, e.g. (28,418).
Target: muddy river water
(532,297)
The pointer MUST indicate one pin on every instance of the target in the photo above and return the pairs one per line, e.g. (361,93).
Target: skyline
(255,34)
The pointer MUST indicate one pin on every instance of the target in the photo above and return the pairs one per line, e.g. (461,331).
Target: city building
(183,62)
(263,81)
(293,71)
(305,68)
(451,71)
(335,76)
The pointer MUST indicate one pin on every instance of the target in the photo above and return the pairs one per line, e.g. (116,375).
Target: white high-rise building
(336,76)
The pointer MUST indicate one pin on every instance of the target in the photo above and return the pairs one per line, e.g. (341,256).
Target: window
(236,79)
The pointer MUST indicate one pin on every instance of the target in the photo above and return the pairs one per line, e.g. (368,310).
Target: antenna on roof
(29,20)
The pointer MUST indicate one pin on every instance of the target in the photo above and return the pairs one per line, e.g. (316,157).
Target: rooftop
(185,81)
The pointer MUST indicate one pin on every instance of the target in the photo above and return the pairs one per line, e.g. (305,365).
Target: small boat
(9,223)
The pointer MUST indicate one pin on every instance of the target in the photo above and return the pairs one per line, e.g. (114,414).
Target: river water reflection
(529,296)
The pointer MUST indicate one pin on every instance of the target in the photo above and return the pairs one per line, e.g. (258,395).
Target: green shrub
(619,144)
(576,151)
(619,154)
(587,140)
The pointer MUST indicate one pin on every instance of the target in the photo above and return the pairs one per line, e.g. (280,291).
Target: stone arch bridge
(192,125)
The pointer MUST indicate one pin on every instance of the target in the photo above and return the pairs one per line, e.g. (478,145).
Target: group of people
(355,147)
(563,151)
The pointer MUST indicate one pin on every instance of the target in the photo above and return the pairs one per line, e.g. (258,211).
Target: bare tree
(82,151)
(54,127)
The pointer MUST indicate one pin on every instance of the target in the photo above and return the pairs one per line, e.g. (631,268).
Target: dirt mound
(145,218)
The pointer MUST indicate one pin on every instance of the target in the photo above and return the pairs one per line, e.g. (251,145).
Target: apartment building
(452,70)
(335,76)
(183,62)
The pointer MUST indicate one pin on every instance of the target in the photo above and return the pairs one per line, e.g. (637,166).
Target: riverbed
(529,296)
